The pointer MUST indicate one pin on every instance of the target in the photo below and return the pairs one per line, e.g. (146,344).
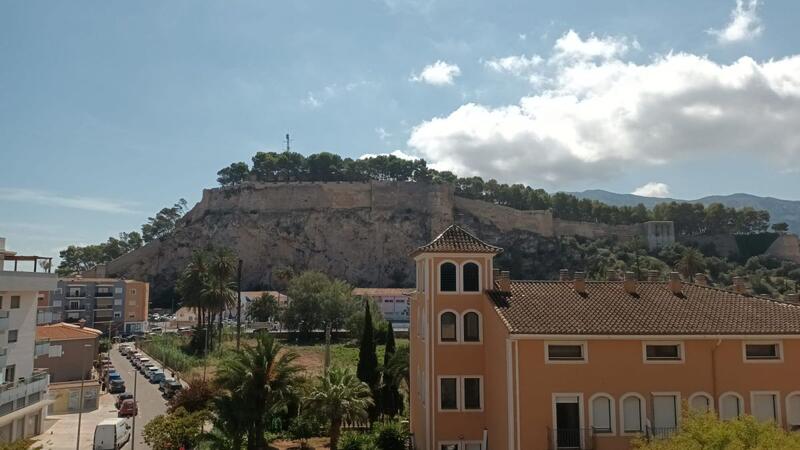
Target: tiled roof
(65,331)
(382,292)
(457,240)
(554,307)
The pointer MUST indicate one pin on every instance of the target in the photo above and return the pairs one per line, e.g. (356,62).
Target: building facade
(580,364)
(23,390)
(111,305)
(72,350)
(391,302)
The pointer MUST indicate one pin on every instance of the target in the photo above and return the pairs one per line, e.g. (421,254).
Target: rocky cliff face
(360,232)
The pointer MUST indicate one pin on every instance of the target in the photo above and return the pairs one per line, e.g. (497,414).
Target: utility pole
(136,409)
(239,304)
(80,406)
(288,140)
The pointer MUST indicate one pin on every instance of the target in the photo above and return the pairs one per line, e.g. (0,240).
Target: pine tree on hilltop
(368,360)
(391,399)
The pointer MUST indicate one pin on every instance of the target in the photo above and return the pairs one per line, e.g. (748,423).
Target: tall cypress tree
(391,399)
(368,360)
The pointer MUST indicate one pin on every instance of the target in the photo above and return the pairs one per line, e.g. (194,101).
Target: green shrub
(168,350)
(355,441)
(390,436)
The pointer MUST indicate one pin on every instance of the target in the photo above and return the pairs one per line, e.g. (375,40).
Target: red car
(128,408)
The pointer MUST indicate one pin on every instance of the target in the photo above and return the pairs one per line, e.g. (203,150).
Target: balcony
(3,320)
(103,294)
(23,392)
(105,303)
(75,294)
(3,357)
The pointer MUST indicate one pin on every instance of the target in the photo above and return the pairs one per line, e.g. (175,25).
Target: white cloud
(398,153)
(571,47)
(652,189)
(311,101)
(439,73)
(744,25)
(50,199)
(596,119)
(517,65)
(382,133)
(317,99)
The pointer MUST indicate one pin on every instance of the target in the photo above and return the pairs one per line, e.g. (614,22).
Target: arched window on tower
(447,277)
(472,327)
(472,276)
(447,327)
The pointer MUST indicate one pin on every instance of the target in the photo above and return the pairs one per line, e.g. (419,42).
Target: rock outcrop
(360,232)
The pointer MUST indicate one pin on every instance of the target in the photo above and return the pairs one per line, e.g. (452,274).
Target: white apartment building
(23,391)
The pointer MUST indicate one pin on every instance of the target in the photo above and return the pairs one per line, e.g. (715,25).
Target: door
(568,422)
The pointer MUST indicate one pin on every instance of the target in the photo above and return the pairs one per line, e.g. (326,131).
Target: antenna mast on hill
(288,141)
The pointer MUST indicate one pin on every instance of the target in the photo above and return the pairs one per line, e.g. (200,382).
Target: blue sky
(110,110)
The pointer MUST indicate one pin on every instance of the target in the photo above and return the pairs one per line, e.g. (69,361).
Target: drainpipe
(714,372)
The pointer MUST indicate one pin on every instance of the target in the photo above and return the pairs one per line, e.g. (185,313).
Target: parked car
(111,434)
(172,388)
(122,397)
(128,408)
(116,386)
(163,383)
(142,363)
(145,368)
(157,376)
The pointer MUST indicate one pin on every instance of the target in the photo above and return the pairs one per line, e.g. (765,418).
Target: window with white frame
(15,301)
(472,327)
(657,352)
(473,446)
(730,406)
(764,406)
(666,408)
(602,410)
(74,304)
(448,277)
(449,445)
(632,414)
(566,351)
(473,393)
(762,351)
(460,445)
(471,274)
(700,402)
(448,393)
(118,290)
(793,411)
(448,327)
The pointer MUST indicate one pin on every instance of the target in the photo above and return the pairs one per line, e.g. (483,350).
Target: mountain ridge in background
(779,210)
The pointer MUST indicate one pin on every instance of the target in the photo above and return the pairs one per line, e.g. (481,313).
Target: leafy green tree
(175,431)
(229,424)
(236,173)
(196,397)
(368,371)
(707,432)
(262,377)
(219,289)
(75,259)
(391,400)
(338,397)
(691,262)
(316,301)
(263,308)
(163,223)
(397,367)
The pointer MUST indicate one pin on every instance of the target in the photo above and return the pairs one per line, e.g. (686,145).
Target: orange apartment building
(529,365)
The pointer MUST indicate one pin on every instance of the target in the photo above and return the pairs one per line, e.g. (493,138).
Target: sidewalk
(61,430)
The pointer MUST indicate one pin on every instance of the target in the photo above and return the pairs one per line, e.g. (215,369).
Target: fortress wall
(505,218)
(595,230)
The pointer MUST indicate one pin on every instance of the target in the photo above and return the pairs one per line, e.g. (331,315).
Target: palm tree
(262,377)
(691,262)
(192,281)
(219,291)
(340,396)
(229,424)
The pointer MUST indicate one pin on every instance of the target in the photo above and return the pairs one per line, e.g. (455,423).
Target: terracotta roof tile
(382,292)
(457,240)
(554,307)
(65,332)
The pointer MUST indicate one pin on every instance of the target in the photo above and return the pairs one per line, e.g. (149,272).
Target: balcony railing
(571,438)
(660,432)
(23,392)
(102,294)
(75,294)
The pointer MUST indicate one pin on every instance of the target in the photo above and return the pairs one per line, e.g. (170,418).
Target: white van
(111,434)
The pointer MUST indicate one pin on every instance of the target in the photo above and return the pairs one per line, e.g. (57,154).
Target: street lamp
(80,406)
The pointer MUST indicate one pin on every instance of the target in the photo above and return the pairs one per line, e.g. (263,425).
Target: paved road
(148,396)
